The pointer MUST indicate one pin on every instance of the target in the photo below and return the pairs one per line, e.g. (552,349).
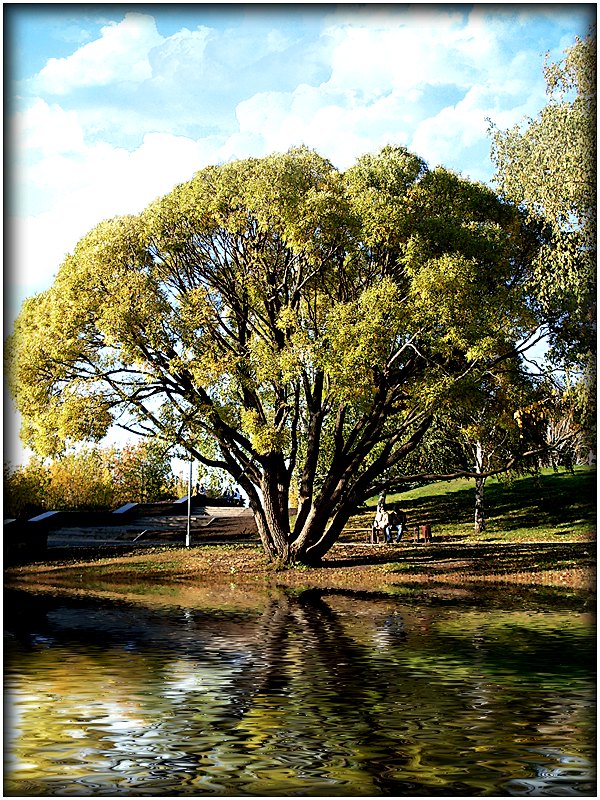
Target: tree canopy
(548,166)
(294,325)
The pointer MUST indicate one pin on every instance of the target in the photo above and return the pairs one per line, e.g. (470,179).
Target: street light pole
(189,508)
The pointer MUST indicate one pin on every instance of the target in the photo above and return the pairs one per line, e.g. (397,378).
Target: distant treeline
(92,478)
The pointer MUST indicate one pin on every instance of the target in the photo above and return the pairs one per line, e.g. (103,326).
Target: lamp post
(189,508)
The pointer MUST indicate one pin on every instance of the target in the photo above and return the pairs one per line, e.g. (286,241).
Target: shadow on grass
(476,559)
(553,500)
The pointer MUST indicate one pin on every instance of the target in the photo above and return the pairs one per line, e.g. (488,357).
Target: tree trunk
(275,493)
(269,502)
(479,489)
(321,544)
(312,532)
(479,505)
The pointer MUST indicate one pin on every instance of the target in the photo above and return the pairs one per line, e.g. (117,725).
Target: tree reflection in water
(314,693)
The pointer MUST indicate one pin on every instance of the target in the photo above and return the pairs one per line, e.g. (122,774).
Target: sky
(109,106)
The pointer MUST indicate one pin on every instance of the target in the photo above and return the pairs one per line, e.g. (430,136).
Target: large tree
(548,166)
(288,323)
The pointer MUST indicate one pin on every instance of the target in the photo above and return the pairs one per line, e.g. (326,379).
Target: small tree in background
(141,473)
(500,426)
(25,489)
(79,481)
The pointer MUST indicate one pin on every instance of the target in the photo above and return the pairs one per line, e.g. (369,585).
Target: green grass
(542,507)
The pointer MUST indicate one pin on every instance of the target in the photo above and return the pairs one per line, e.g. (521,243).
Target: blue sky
(109,106)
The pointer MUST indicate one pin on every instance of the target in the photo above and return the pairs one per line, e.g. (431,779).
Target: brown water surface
(312,693)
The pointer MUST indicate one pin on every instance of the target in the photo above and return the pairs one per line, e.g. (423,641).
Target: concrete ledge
(126,508)
(45,517)
(27,539)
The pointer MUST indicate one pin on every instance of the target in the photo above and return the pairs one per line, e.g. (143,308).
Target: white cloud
(47,129)
(454,129)
(427,47)
(37,251)
(120,54)
(104,182)
(183,53)
(332,122)
(277,42)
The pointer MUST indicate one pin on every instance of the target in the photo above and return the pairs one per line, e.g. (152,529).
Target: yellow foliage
(265,438)
(360,337)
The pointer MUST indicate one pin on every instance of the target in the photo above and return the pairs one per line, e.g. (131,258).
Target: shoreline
(231,571)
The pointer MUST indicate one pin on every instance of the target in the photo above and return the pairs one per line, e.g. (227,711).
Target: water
(318,694)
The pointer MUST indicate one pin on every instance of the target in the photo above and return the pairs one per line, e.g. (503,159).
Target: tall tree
(504,430)
(548,165)
(282,321)
(499,426)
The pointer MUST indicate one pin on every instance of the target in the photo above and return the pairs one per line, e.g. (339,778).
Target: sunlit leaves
(548,165)
(265,437)
(446,298)
(381,188)
(359,338)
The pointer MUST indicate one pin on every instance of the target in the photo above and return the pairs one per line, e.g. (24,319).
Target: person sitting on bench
(380,523)
(397,520)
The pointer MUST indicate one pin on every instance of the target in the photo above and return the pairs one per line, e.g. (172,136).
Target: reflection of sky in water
(313,695)
(390,632)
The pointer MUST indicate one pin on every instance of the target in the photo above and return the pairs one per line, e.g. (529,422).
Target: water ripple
(318,696)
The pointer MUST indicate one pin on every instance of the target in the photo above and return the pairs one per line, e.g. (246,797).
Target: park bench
(419,532)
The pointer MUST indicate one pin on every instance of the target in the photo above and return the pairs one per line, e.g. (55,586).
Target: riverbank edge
(160,574)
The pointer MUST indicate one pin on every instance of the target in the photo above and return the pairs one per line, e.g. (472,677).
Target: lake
(313,693)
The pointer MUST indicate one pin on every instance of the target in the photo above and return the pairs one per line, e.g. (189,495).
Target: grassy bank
(534,508)
(540,532)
